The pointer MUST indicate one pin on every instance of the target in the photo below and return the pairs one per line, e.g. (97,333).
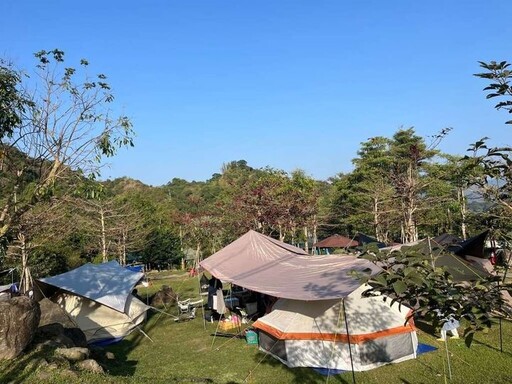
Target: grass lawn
(185,352)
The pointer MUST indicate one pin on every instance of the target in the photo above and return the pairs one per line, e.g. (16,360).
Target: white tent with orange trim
(354,333)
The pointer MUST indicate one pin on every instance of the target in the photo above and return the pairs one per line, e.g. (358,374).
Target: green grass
(185,352)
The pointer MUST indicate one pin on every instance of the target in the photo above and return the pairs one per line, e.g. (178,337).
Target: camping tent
(336,241)
(461,266)
(368,331)
(307,325)
(98,298)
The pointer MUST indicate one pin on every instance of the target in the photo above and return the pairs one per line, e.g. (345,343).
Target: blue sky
(285,84)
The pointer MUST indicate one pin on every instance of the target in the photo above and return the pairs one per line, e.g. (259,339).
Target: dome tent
(98,298)
(358,333)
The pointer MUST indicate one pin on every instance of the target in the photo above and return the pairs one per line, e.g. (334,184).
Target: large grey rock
(164,297)
(56,325)
(90,365)
(19,318)
(52,313)
(64,337)
(73,354)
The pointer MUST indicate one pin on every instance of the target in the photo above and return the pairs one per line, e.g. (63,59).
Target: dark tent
(460,268)
(446,239)
(474,246)
(365,240)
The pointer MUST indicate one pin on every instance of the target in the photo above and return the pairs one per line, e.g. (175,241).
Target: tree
(372,192)
(58,130)
(500,77)
(414,278)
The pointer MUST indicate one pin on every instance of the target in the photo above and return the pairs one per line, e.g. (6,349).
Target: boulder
(73,354)
(164,297)
(63,337)
(56,325)
(19,318)
(53,333)
(52,313)
(90,365)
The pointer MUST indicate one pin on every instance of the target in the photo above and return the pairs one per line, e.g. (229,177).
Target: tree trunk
(26,278)
(463,212)
(103,236)
(306,236)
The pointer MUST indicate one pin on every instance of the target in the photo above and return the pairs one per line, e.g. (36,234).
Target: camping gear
(251,337)
(98,298)
(365,332)
(227,325)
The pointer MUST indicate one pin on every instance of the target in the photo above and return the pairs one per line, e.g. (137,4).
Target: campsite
(183,353)
(255,192)
(325,332)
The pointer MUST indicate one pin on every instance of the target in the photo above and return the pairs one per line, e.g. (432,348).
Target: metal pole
(448,358)
(349,346)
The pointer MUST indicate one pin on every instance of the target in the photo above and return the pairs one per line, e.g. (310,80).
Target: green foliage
(415,277)
(13,102)
(163,249)
(47,262)
(500,76)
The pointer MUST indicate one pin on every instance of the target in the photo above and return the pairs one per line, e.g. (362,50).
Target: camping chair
(187,308)
(184,307)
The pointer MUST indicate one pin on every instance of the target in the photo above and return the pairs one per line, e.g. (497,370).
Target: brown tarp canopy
(336,241)
(262,264)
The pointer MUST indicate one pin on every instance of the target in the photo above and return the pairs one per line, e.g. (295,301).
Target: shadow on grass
(301,375)
(122,365)
(18,370)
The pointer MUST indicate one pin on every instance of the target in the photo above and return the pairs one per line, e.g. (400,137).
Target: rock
(19,318)
(110,356)
(63,337)
(73,354)
(90,365)
(68,374)
(52,313)
(164,297)
(55,333)
(44,376)
(55,324)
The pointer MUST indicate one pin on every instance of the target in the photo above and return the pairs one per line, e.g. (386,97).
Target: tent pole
(349,345)
(199,286)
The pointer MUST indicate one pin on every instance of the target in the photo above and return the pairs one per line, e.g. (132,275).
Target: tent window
(272,345)
(386,349)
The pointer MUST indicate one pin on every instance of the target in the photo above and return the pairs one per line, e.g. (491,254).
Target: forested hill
(84,220)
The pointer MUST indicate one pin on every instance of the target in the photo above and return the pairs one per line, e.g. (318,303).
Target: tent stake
(349,345)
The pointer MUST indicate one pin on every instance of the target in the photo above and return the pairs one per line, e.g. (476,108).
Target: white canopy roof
(262,264)
(107,283)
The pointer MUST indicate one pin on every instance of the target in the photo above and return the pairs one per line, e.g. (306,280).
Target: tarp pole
(349,345)
(199,285)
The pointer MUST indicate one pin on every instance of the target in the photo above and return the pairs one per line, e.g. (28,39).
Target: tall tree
(62,133)
(410,155)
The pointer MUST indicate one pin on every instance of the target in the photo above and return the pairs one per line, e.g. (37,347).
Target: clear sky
(282,83)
